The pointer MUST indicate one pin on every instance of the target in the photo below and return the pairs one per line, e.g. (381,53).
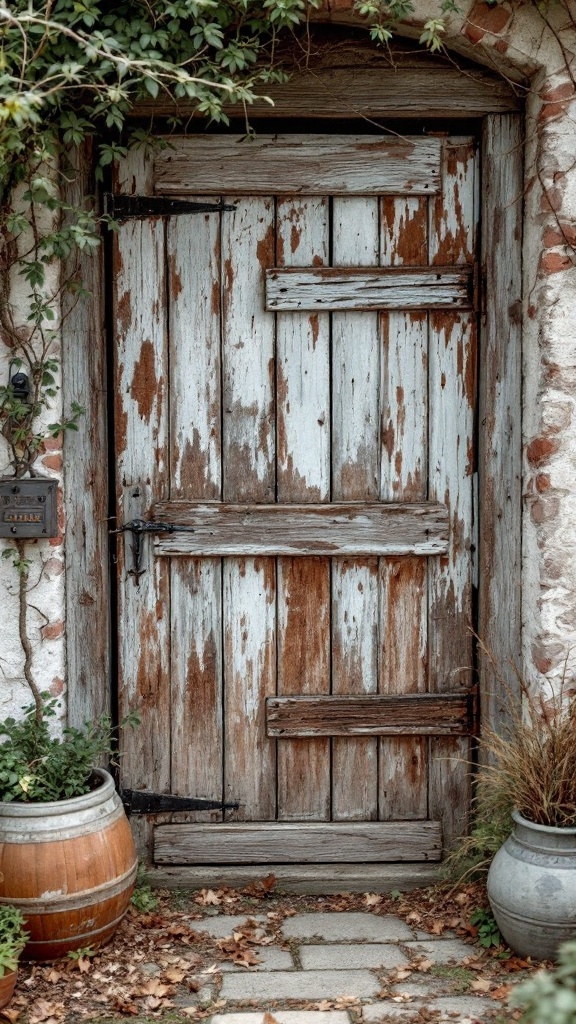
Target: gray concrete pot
(532,888)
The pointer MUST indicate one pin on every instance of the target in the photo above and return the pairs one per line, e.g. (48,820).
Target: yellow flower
(25,782)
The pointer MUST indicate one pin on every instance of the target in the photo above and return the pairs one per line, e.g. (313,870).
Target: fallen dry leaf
(245,958)
(124,1005)
(502,992)
(372,899)
(423,965)
(174,975)
(401,974)
(438,927)
(43,1010)
(10,1014)
(155,987)
(413,917)
(481,985)
(269,1018)
(208,898)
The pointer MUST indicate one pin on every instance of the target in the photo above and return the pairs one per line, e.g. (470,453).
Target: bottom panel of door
(301,878)
(273,842)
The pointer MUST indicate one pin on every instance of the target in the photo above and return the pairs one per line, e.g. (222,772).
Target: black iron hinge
(121,208)
(137,801)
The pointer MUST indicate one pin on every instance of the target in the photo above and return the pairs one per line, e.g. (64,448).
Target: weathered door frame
(499,421)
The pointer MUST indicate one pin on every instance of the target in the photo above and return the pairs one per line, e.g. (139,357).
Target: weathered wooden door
(295,384)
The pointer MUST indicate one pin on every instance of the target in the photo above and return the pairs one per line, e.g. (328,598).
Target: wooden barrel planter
(70,867)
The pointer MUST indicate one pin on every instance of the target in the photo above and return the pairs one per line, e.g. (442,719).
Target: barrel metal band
(57,903)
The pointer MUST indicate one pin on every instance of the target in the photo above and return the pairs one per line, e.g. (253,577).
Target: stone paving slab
(471,1006)
(347,927)
(224,924)
(441,951)
(345,957)
(426,988)
(271,959)
(456,1009)
(299,985)
(285,1017)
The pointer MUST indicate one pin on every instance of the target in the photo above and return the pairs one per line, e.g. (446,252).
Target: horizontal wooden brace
(365,288)
(418,528)
(284,843)
(292,164)
(413,92)
(413,714)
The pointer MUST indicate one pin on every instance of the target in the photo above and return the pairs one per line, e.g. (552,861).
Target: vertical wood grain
(500,456)
(453,228)
(141,369)
(195,474)
(403,762)
(249,474)
(355,476)
(85,453)
(303,474)
(250,677)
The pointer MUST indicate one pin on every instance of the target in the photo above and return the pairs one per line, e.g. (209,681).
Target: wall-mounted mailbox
(28,508)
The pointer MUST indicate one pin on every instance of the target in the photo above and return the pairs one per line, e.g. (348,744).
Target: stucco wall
(45,589)
(518,43)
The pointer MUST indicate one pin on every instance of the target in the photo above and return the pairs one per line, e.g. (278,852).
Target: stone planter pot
(69,866)
(532,888)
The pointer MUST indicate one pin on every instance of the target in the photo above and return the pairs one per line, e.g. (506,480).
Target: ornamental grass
(532,765)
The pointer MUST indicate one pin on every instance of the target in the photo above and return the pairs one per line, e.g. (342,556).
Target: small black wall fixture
(20,385)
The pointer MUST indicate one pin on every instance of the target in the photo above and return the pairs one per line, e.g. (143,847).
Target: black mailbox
(28,507)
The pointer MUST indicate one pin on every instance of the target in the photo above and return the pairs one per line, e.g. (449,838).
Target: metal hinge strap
(120,207)
(142,802)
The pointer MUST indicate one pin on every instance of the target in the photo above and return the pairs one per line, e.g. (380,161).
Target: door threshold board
(321,879)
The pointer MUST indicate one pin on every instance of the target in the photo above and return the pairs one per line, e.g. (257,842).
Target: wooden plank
(337,529)
(303,475)
(373,92)
(500,456)
(355,477)
(249,474)
(250,676)
(299,164)
(141,370)
(453,232)
(248,444)
(303,362)
(193,246)
(86,491)
(303,667)
(378,288)
(302,878)
(324,842)
(402,762)
(416,714)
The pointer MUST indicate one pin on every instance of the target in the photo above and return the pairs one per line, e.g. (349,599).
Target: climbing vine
(74,69)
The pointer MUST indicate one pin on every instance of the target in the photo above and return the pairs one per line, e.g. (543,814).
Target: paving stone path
(332,956)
